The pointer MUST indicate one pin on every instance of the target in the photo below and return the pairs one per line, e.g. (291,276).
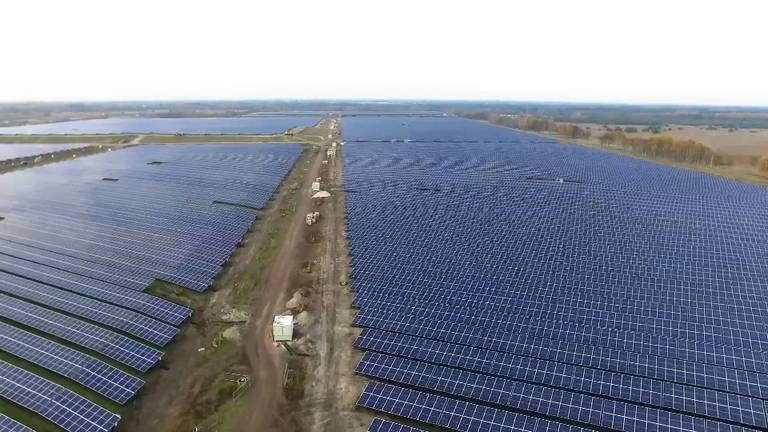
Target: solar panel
(713,377)
(486,388)
(80,241)
(82,368)
(597,382)
(9,152)
(131,322)
(68,410)
(153,306)
(109,343)
(75,266)
(175,213)
(8,424)
(450,413)
(483,254)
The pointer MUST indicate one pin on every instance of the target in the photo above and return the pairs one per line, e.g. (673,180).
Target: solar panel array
(553,283)
(8,424)
(166,125)
(81,240)
(15,151)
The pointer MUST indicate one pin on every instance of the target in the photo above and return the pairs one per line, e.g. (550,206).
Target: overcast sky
(697,52)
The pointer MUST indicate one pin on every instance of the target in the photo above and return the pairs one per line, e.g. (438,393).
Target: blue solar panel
(101,340)
(485,388)
(83,239)
(450,413)
(84,369)
(597,382)
(128,321)
(8,424)
(63,407)
(481,251)
(174,212)
(208,125)
(589,330)
(714,377)
(76,266)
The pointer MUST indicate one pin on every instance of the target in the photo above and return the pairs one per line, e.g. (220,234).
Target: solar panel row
(80,241)
(75,266)
(87,335)
(554,281)
(153,306)
(531,398)
(158,220)
(605,334)
(590,381)
(128,321)
(81,368)
(64,408)
(8,424)
(450,413)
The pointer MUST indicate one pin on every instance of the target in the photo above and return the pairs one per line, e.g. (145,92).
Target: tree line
(762,164)
(531,123)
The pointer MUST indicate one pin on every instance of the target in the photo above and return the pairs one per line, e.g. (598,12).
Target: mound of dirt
(297,303)
(232,333)
(234,316)
(303,319)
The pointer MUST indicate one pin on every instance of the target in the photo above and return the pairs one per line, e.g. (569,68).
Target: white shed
(282,328)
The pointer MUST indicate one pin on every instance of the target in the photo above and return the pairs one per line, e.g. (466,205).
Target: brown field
(739,143)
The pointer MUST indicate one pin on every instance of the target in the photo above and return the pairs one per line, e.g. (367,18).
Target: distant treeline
(762,165)
(666,147)
(531,123)
(648,115)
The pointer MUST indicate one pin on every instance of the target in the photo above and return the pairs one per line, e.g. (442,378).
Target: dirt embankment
(59,156)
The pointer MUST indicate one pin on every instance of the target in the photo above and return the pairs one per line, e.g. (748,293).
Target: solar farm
(453,276)
(81,241)
(513,283)
(207,125)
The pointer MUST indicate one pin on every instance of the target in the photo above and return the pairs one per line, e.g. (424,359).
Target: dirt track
(267,362)
(333,389)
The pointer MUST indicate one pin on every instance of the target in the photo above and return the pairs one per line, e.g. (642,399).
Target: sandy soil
(334,388)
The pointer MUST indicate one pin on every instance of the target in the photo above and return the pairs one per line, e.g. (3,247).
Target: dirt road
(333,388)
(266,361)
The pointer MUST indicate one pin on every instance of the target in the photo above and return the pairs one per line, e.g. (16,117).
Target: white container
(282,328)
